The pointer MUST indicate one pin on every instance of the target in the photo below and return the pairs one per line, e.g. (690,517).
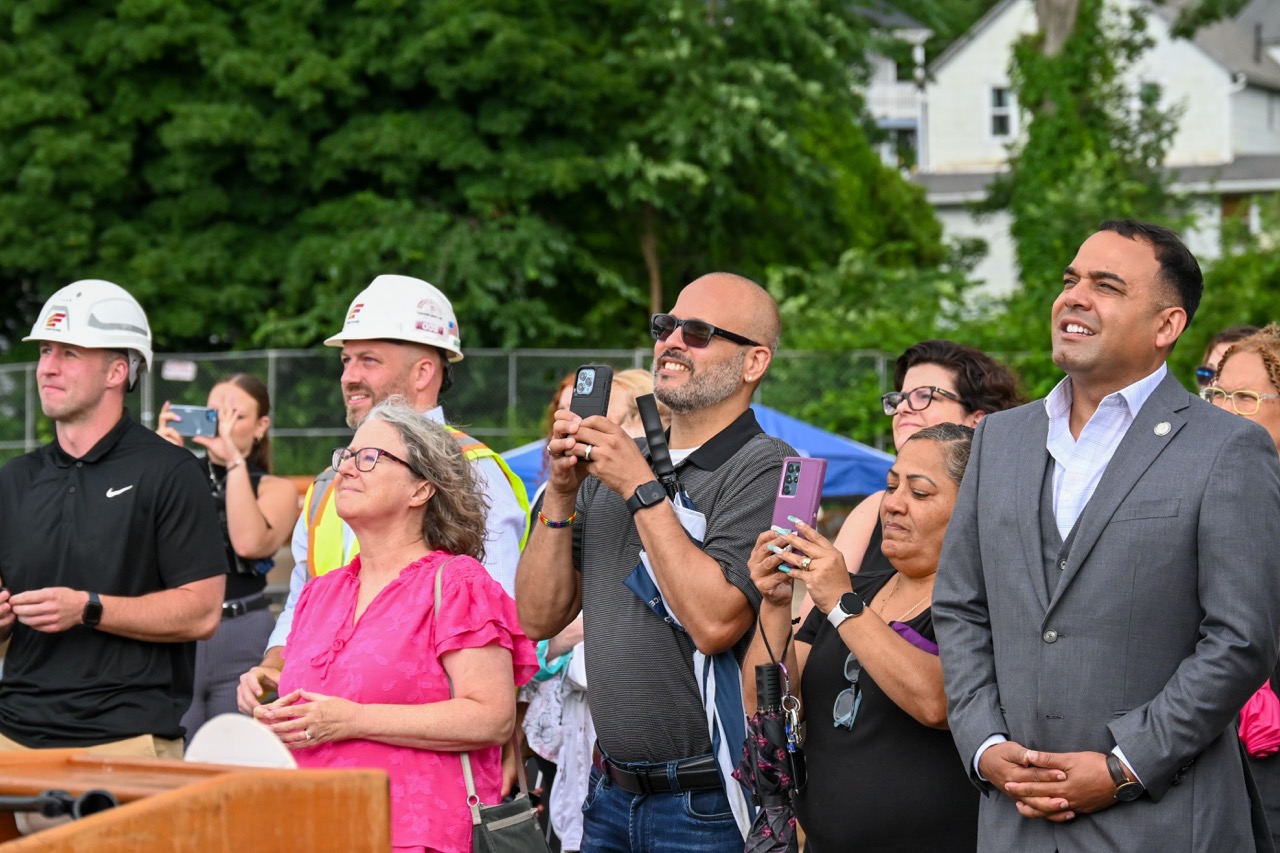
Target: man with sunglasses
(400,337)
(657,785)
(1099,621)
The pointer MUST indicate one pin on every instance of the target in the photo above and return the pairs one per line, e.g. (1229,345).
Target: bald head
(746,307)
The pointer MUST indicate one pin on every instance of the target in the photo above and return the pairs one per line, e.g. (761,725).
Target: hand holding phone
(591,389)
(195,420)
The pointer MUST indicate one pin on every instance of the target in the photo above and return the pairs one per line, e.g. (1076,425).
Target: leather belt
(232,609)
(695,774)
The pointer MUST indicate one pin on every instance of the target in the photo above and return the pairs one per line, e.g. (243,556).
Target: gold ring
(804,564)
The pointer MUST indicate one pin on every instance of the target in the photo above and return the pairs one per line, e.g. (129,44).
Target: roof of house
(886,17)
(1245,174)
(1237,44)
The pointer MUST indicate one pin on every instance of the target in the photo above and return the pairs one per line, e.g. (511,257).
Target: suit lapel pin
(1163,428)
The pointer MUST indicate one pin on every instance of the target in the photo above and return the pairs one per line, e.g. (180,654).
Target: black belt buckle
(233,609)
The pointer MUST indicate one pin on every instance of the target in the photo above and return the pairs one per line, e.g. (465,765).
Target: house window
(1003,112)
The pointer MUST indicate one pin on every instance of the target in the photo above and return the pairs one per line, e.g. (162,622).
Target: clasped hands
(302,719)
(1052,785)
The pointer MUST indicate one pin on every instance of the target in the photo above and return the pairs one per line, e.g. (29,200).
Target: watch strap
(1126,788)
(92,614)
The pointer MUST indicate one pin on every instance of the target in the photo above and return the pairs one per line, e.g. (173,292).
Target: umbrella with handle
(772,765)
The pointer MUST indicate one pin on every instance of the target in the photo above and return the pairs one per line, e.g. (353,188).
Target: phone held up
(195,420)
(591,389)
(799,491)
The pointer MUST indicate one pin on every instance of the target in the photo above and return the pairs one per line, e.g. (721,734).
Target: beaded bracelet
(556,524)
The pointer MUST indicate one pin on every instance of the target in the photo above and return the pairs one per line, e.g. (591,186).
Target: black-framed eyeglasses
(366,458)
(1204,375)
(1244,401)
(918,399)
(697,333)
(845,711)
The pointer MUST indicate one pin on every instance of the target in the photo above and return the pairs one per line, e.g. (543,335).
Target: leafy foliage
(244,167)
(1093,151)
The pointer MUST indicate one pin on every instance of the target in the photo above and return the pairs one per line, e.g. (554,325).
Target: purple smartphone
(800,491)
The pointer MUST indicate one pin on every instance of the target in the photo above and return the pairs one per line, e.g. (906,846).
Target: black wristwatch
(647,495)
(1126,790)
(849,606)
(92,611)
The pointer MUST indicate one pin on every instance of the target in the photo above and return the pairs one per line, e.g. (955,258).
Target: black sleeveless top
(889,785)
(243,576)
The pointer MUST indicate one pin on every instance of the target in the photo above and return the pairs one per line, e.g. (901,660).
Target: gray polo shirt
(643,696)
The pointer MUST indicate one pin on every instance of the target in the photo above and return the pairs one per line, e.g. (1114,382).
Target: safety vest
(325,551)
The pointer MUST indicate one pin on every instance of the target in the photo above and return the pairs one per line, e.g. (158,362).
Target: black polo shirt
(132,516)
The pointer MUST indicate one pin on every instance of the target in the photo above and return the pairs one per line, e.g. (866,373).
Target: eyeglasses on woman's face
(366,458)
(1245,402)
(1204,375)
(845,711)
(696,333)
(918,399)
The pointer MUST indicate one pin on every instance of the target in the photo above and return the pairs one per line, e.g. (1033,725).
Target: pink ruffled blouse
(392,657)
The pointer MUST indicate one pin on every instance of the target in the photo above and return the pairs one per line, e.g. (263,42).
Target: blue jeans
(616,821)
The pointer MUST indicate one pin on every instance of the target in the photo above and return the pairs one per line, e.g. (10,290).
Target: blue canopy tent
(853,469)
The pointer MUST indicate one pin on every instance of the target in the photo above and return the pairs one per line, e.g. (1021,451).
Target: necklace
(885,601)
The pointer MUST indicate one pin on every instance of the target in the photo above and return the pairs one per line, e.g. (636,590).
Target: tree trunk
(649,248)
(1057,19)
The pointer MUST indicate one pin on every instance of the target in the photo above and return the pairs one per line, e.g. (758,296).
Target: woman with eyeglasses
(374,674)
(934,382)
(884,774)
(1248,383)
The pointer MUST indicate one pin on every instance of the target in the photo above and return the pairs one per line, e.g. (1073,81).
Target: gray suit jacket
(1164,622)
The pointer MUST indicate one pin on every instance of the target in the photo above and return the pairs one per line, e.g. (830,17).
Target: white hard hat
(401,308)
(96,314)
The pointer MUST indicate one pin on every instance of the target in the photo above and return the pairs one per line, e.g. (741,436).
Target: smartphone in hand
(195,420)
(591,389)
(799,491)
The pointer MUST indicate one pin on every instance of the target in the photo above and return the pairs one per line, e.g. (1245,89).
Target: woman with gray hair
(368,665)
(866,669)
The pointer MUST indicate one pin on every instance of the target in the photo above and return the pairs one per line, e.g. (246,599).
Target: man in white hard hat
(400,337)
(110,552)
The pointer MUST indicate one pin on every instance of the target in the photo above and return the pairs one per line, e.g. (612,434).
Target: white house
(1226,80)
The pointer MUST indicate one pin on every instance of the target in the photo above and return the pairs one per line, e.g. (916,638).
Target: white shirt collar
(1058,403)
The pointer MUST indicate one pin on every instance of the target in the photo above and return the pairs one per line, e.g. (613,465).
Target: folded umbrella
(772,766)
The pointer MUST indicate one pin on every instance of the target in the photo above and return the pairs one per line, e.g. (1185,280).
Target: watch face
(650,493)
(852,604)
(1128,792)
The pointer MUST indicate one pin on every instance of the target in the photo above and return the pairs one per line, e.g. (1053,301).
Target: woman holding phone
(884,774)
(257,512)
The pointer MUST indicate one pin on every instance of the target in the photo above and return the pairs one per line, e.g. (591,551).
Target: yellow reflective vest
(325,551)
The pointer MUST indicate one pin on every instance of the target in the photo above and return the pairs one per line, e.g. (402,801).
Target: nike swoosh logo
(111,493)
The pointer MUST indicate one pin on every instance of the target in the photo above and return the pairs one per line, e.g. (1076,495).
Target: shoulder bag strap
(472,800)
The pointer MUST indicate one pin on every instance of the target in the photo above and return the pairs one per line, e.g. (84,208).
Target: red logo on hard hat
(55,320)
(355,311)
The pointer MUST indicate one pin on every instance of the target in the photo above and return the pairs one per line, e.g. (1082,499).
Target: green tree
(244,168)
(1093,150)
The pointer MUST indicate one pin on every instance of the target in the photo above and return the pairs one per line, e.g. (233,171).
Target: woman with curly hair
(368,665)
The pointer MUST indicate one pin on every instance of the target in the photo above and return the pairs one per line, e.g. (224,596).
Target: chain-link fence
(500,396)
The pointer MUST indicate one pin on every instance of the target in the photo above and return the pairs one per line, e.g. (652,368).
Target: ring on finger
(586,454)
(307,733)
(804,564)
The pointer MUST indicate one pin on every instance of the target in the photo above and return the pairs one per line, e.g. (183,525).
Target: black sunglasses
(1204,375)
(696,332)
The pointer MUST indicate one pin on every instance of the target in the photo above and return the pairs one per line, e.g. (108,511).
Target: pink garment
(392,657)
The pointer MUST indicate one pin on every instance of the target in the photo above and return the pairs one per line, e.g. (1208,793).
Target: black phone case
(591,394)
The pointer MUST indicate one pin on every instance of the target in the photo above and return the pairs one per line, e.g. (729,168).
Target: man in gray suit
(1109,590)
